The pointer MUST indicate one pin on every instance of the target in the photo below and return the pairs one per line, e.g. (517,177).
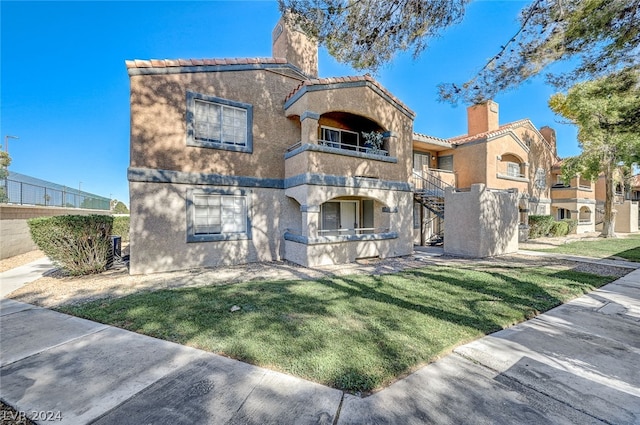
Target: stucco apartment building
(246,160)
(257,159)
(513,156)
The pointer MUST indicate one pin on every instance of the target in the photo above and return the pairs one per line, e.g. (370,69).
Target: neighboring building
(634,192)
(503,157)
(245,160)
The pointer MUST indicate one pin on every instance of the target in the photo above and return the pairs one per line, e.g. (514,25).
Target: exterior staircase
(428,190)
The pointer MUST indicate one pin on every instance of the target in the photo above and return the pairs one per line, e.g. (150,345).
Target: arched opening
(348,131)
(511,166)
(584,215)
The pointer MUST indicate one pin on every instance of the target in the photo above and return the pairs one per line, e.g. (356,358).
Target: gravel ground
(9,416)
(56,289)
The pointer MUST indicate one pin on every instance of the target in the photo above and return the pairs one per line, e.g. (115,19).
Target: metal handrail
(429,184)
(357,148)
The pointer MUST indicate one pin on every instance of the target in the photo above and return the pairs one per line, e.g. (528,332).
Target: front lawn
(355,333)
(627,247)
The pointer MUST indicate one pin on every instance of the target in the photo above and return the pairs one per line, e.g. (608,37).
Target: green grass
(355,333)
(627,248)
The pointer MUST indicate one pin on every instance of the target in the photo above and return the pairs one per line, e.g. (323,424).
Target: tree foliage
(606,113)
(367,33)
(598,36)
(119,207)
(5,161)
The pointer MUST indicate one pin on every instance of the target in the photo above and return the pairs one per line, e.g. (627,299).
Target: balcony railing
(355,231)
(358,148)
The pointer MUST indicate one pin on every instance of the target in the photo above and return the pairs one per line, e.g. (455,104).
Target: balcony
(564,192)
(362,148)
(336,159)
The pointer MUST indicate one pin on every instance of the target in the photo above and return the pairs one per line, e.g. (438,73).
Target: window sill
(218,238)
(512,178)
(324,240)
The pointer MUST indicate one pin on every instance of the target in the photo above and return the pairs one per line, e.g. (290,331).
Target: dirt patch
(56,289)
(20,260)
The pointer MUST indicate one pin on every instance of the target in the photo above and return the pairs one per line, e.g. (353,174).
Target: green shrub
(121,227)
(559,228)
(78,244)
(572,223)
(540,225)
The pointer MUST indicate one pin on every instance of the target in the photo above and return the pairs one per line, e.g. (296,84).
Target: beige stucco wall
(15,238)
(627,217)
(343,252)
(158,122)
(481,223)
(469,163)
(158,238)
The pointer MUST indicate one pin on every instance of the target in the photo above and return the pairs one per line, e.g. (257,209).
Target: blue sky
(65,89)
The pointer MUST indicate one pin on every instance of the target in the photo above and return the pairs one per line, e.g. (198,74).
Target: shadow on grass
(632,254)
(355,333)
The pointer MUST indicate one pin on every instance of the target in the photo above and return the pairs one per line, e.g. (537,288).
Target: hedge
(540,225)
(559,228)
(121,227)
(78,244)
(543,225)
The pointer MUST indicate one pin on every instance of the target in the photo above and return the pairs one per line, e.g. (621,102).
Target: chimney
(549,135)
(294,46)
(482,117)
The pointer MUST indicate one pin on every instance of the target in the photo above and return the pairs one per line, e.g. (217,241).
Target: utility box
(115,252)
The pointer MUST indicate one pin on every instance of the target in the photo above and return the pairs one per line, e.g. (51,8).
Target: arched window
(584,215)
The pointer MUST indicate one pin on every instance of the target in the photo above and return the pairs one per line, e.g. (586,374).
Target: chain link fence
(19,189)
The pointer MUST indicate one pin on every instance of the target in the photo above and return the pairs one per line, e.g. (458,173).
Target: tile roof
(170,63)
(348,79)
(426,136)
(503,129)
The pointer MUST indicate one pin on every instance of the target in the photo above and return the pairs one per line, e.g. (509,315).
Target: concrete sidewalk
(16,278)
(576,364)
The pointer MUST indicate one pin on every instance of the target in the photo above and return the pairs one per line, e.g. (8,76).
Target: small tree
(5,161)
(607,113)
(119,207)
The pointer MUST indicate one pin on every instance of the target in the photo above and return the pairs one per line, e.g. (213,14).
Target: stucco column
(309,130)
(390,140)
(310,220)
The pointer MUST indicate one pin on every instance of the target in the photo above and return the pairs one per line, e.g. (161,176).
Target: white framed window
(339,218)
(421,160)
(218,123)
(513,169)
(338,138)
(215,216)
